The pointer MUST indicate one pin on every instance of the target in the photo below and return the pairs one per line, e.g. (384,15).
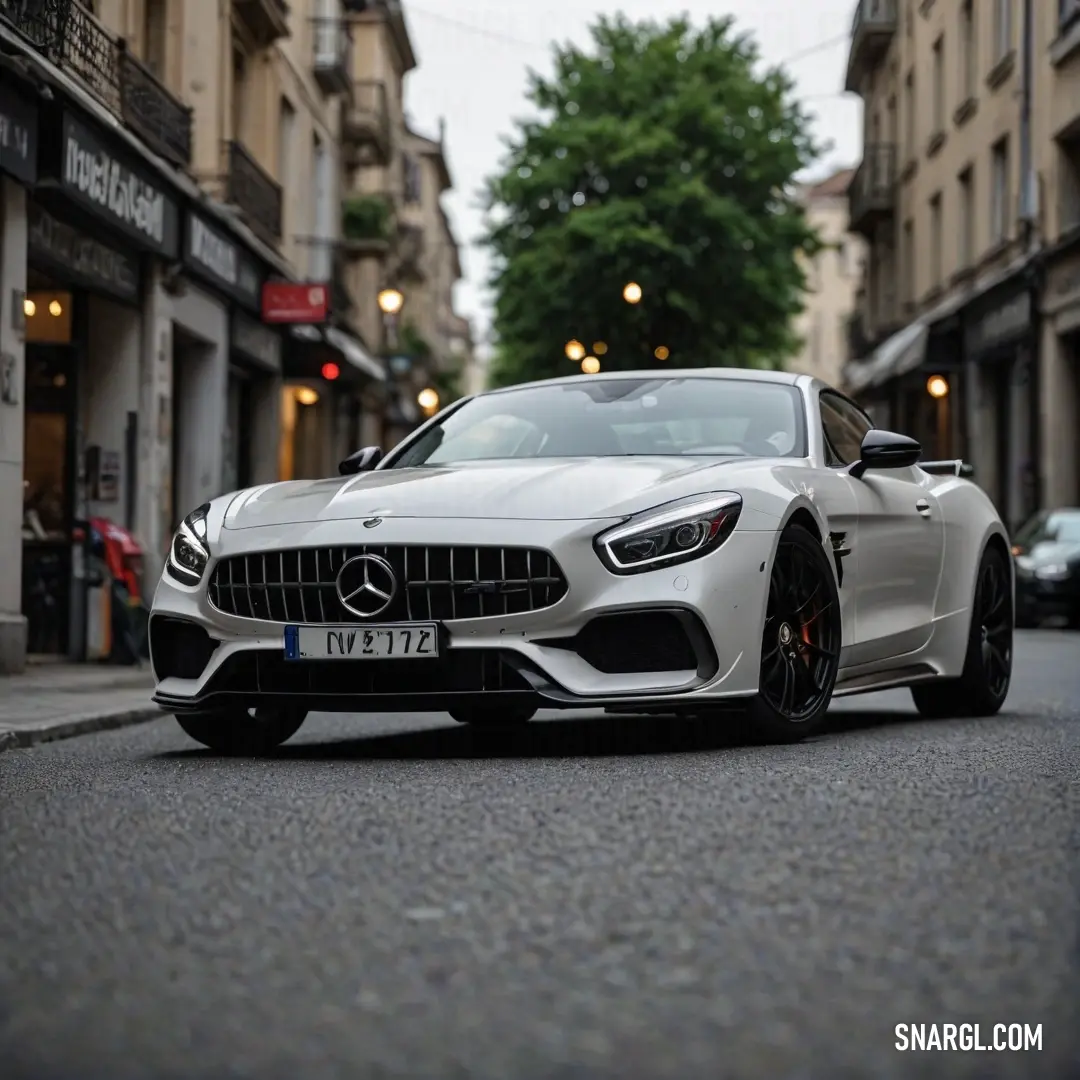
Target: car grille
(436,583)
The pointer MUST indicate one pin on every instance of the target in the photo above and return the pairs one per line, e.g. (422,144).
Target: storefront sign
(1008,321)
(18,136)
(285,302)
(255,342)
(127,196)
(222,261)
(77,259)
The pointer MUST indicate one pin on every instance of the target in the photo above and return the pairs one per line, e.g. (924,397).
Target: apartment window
(412,180)
(286,146)
(1069,208)
(966,182)
(321,230)
(908,256)
(910,124)
(937,269)
(153,36)
(939,85)
(969,49)
(1003,15)
(239,92)
(999,192)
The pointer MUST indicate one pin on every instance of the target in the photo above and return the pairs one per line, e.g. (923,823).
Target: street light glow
(661,352)
(937,386)
(632,293)
(599,347)
(590,365)
(428,400)
(574,350)
(391,301)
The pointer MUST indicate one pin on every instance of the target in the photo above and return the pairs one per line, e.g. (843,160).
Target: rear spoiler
(947,468)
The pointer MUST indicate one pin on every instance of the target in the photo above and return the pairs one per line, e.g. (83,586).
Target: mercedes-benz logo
(366,585)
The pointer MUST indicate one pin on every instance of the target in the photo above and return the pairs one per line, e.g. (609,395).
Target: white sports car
(675,542)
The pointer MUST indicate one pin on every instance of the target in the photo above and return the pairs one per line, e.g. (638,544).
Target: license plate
(406,641)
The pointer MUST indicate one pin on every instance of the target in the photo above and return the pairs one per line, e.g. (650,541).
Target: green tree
(665,156)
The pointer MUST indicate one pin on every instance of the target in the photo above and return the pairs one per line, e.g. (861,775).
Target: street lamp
(391,301)
(937,386)
(632,293)
(574,350)
(590,365)
(428,400)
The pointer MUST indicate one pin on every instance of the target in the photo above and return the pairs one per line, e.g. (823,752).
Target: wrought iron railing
(253,192)
(332,45)
(69,35)
(369,106)
(152,112)
(874,184)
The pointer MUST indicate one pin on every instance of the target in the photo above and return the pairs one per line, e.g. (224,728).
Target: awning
(349,346)
(906,349)
(897,355)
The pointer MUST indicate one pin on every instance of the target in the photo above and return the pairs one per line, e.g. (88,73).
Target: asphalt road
(604,898)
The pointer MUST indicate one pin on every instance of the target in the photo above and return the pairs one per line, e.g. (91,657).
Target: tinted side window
(844,427)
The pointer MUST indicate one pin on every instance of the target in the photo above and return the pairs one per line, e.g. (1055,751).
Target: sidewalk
(55,701)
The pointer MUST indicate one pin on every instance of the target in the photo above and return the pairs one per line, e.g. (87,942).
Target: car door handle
(923,507)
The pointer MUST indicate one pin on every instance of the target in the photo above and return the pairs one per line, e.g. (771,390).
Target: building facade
(1057,130)
(832,281)
(951,198)
(178,315)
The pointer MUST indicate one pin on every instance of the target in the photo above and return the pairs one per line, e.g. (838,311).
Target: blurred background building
(832,280)
(223,262)
(968,197)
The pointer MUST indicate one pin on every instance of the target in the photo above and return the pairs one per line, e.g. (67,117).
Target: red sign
(286,302)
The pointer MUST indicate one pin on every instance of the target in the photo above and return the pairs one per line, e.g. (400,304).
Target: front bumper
(584,651)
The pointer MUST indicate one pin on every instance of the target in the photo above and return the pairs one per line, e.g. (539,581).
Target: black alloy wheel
(800,647)
(243,732)
(983,685)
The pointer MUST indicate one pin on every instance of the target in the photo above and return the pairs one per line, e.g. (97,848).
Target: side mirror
(886,450)
(362,461)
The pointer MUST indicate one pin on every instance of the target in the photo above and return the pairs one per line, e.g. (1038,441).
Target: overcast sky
(473,56)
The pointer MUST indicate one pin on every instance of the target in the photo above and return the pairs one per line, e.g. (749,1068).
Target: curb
(53,730)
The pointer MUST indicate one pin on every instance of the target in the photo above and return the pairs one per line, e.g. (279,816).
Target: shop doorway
(239,417)
(50,471)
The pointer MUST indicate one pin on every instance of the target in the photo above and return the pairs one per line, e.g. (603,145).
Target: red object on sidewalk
(287,302)
(123,555)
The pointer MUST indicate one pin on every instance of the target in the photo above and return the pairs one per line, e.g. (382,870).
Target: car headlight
(189,552)
(1052,572)
(673,533)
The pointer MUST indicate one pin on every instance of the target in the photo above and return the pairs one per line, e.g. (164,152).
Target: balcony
(872,195)
(367,223)
(153,113)
(332,60)
(254,193)
(366,134)
(872,31)
(265,20)
(409,253)
(66,33)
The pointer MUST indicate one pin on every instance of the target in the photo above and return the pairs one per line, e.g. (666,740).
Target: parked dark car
(1047,554)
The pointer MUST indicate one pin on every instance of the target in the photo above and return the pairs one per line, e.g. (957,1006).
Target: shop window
(48,318)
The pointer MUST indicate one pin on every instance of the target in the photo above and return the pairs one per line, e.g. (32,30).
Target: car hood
(552,490)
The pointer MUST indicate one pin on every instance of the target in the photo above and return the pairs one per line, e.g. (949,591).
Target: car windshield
(1060,526)
(617,418)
